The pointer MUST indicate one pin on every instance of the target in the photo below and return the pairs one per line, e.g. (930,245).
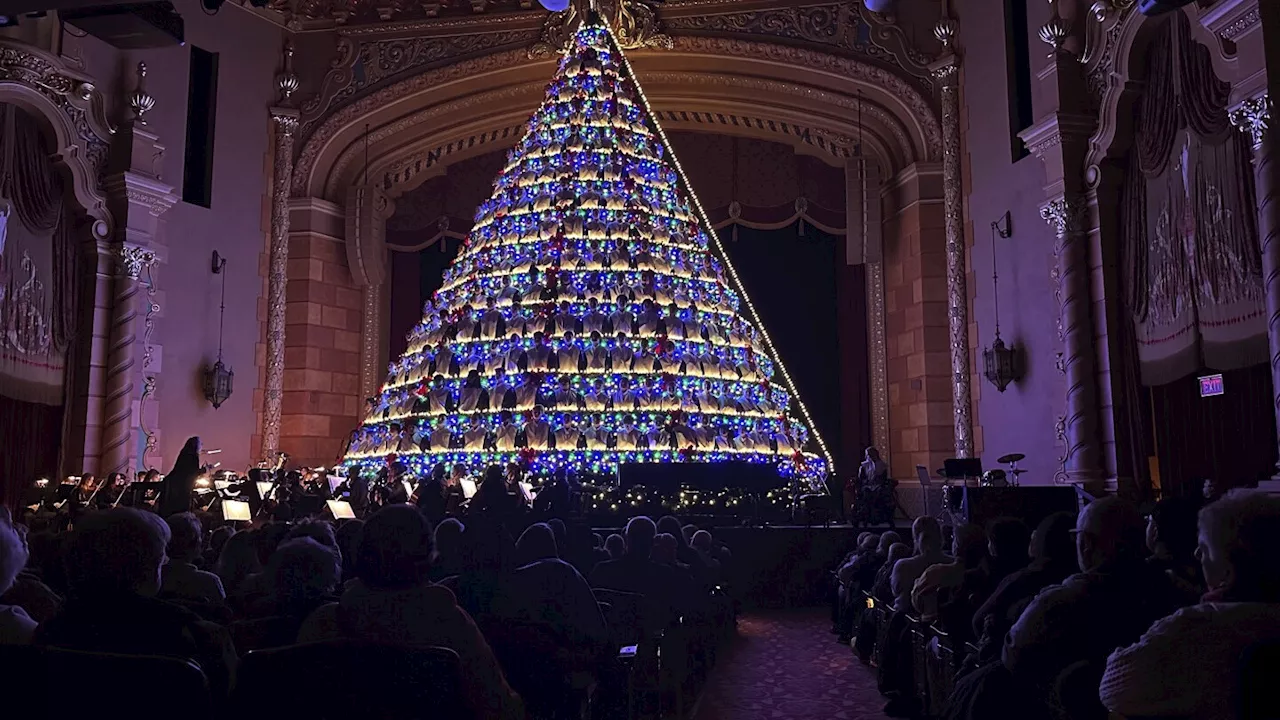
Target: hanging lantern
(218,378)
(218,381)
(1001,363)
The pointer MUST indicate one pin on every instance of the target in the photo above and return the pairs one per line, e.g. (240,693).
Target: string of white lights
(715,239)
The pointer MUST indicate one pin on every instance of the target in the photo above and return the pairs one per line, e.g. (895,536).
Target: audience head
(898,551)
(184,537)
(702,542)
(238,559)
(1009,542)
(887,540)
(449,539)
(218,538)
(639,535)
(120,550)
(302,573)
(1171,528)
(670,525)
(487,547)
(665,549)
(561,532)
(615,545)
(969,545)
(1052,541)
(347,536)
(868,544)
(537,542)
(318,530)
(862,536)
(13,551)
(688,532)
(396,548)
(1108,531)
(1238,537)
(926,534)
(269,537)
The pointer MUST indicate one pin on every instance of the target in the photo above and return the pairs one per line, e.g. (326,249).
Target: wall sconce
(219,379)
(1002,364)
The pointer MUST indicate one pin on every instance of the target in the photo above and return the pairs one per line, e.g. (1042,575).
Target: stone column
(285,121)
(117,429)
(946,71)
(1253,116)
(1067,215)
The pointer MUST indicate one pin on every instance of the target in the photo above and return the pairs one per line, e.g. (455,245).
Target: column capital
(285,119)
(134,259)
(1253,116)
(1065,214)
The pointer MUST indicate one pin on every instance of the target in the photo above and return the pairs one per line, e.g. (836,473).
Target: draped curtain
(39,296)
(1192,268)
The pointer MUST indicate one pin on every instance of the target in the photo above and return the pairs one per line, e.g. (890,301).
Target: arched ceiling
(732,86)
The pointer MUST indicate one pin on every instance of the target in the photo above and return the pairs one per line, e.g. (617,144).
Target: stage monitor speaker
(670,477)
(1030,504)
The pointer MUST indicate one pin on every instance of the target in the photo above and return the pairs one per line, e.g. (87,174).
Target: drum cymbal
(1011,458)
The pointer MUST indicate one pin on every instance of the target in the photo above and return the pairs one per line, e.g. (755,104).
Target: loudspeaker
(131,27)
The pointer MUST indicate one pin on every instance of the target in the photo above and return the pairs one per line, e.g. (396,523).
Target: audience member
(302,575)
(392,601)
(114,563)
(28,590)
(348,538)
(1164,673)
(549,591)
(16,627)
(615,545)
(927,537)
(1108,604)
(636,572)
(449,549)
(958,579)
(1053,558)
(237,562)
(182,580)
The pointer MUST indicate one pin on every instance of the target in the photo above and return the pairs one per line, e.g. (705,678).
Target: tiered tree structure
(586,321)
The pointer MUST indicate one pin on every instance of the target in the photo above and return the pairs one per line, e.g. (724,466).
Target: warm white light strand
(715,238)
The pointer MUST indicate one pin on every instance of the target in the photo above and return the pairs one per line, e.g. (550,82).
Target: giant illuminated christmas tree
(586,321)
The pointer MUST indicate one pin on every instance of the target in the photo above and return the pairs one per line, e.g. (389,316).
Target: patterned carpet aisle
(784,665)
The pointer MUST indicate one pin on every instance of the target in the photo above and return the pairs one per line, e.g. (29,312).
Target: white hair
(1244,525)
(13,552)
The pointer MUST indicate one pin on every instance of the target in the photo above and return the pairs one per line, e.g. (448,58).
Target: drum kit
(953,485)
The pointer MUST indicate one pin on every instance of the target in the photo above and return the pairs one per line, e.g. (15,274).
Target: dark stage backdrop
(791,279)
(31,435)
(1230,437)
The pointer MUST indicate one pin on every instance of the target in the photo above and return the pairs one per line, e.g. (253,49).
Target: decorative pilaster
(946,72)
(286,123)
(284,118)
(117,429)
(1067,216)
(1253,116)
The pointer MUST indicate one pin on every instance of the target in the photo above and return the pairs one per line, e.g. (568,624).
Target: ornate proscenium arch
(71,105)
(737,77)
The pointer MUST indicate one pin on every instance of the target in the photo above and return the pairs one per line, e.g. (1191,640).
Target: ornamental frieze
(840,25)
(364,65)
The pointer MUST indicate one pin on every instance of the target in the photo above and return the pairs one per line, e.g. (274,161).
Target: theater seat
(343,679)
(56,683)
(1259,696)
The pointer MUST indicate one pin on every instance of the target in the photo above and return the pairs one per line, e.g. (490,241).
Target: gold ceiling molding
(363,64)
(71,103)
(843,25)
(634,23)
(417,166)
(914,111)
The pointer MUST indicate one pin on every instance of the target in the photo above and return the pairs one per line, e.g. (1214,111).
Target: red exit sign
(1211,385)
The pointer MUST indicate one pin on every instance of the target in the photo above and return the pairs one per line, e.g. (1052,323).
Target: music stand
(962,468)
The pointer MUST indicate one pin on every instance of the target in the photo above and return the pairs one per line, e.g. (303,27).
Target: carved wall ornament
(286,122)
(134,259)
(945,31)
(148,358)
(140,101)
(1253,116)
(25,315)
(157,205)
(843,25)
(1065,215)
(634,22)
(364,65)
(74,106)
(148,394)
(878,357)
(1242,25)
(1055,32)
